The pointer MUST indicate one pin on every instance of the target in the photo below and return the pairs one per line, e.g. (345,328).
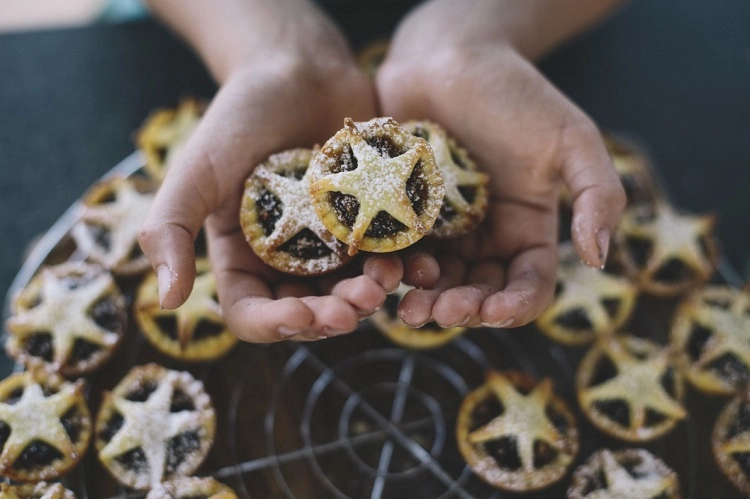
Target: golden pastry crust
(279,221)
(46,425)
(629,389)
(666,253)
(107,232)
(375,186)
(711,336)
(730,441)
(71,317)
(190,487)
(165,132)
(466,196)
(155,425)
(372,55)
(588,302)
(196,330)
(635,170)
(624,473)
(41,490)
(529,445)
(392,327)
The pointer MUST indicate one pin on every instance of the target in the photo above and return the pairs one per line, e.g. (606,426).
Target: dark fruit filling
(420,131)
(384,146)
(447,213)
(167,324)
(134,460)
(505,452)
(346,207)
(82,350)
(632,189)
(107,314)
(612,306)
(102,236)
(181,401)
(14,396)
(111,427)
(616,410)
(269,211)
(576,319)
(39,345)
(544,454)
(458,160)
(558,420)
(306,245)
(653,418)
(135,252)
(142,391)
(597,481)
(72,421)
(640,250)
(4,433)
(161,154)
(558,288)
(604,370)
(730,369)
(384,225)
(704,243)
(207,329)
(674,270)
(667,382)
(346,163)
(697,339)
(36,455)
(741,421)
(417,189)
(487,410)
(743,459)
(468,192)
(718,303)
(178,448)
(632,464)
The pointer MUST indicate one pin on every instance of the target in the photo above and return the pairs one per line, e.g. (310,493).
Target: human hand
(292,89)
(452,65)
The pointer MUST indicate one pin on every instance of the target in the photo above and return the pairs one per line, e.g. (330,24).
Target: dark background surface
(674,75)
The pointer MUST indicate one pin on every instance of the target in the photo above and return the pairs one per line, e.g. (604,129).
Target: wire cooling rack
(355,416)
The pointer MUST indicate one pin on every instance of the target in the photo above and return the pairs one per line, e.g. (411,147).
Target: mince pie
(375,186)
(466,198)
(622,474)
(165,132)
(372,56)
(41,490)
(731,441)
(155,425)
(279,221)
(629,389)
(515,433)
(191,487)
(194,331)
(588,302)
(634,169)
(45,425)
(70,316)
(666,252)
(107,232)
(711,335)
(430,335)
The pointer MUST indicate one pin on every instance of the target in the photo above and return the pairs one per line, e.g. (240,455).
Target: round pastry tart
(70,316)
(730,441)
(465,200)
(629,389)
(195,331)
(711,336)
(191,487)
(375,186)
(155,425)
(430,335)
(588,302)
(634,169)
(372,55)
(515,433)
(623,474)
(664,252)
(107,232)
(279,221)
(45,425)
(41,490)
(165,132)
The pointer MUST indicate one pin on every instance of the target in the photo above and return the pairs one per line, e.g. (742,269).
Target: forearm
(532,27)
(231,33)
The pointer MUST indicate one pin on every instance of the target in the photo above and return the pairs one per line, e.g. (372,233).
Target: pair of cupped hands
(294,88)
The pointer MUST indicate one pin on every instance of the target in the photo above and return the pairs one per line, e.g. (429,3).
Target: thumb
(598,196)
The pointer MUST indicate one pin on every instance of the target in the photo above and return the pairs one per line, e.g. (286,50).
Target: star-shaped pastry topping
(378,183)
(149,426)
(524,419)
(36,417)
(298,212)
(65,313)
(122,218)
(622,485)
(731,333)
(637,382)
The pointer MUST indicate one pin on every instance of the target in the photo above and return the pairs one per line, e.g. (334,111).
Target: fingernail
(505,323)
(602,238)
(288,332)
(463,322)
(329,332)
(164,278)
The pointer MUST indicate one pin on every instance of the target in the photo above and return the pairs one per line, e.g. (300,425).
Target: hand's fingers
(332,315)
(292,288)
(362,293)
(386,270)
(531,283)
(415,308)
(598,196)
(459,306)
(452,271)
(488,273)
(421,270)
